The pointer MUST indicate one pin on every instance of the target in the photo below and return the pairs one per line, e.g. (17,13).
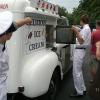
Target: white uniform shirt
(86,35)
(3,61)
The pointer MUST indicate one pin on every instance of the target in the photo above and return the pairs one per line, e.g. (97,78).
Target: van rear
(30,61)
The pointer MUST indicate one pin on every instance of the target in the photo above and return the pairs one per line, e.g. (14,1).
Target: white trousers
(3,90)
(78,59)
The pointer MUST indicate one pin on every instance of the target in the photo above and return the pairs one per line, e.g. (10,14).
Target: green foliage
(62,11)
(90,7)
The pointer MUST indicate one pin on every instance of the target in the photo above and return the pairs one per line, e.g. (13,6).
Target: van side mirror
(64,35)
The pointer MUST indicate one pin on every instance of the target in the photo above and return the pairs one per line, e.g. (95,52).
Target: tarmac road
(67,88)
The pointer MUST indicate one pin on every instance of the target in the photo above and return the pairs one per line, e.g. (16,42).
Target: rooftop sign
(41,4)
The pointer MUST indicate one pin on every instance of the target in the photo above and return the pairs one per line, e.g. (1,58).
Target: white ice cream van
(39,54)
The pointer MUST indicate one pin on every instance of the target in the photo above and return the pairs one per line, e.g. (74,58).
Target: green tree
(90,7)
(62,11)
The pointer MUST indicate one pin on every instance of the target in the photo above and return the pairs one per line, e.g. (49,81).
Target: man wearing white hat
(7,27)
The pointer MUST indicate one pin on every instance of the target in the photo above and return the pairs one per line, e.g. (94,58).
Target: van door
(65,36)
(65,58)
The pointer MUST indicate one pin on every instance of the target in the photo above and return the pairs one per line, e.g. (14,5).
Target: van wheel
(54,86)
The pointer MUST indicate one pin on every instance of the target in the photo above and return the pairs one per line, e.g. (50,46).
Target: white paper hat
(6,19)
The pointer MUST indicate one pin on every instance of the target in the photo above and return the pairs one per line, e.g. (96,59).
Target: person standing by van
(83,41)
(7,26)
(94,40)
(94,90)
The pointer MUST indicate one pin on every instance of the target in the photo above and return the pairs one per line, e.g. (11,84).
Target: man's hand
(28,20)
(74,29)
(79,37)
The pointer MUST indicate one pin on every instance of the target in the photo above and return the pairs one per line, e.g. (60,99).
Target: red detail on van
(30,35)
(51,7)
(3,6)
(39,2)
(43,5)
(47,6)
(54,8)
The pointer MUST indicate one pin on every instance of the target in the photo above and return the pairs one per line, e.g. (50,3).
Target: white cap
(6,19)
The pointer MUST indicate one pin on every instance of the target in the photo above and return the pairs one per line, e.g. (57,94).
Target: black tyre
(17,96)
(54,86)
(11,97)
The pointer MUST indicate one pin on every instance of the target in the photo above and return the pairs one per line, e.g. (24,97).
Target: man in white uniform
(83,41)
(7,26)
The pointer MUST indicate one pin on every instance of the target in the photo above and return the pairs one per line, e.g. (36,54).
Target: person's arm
(22,22)
(98,51)
(79,37)
(18,23)
(15,25)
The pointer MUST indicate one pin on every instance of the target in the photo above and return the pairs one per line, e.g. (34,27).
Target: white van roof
(42,7)
(34,6)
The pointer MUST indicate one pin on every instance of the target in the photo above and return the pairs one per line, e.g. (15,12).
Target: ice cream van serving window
(39,22)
